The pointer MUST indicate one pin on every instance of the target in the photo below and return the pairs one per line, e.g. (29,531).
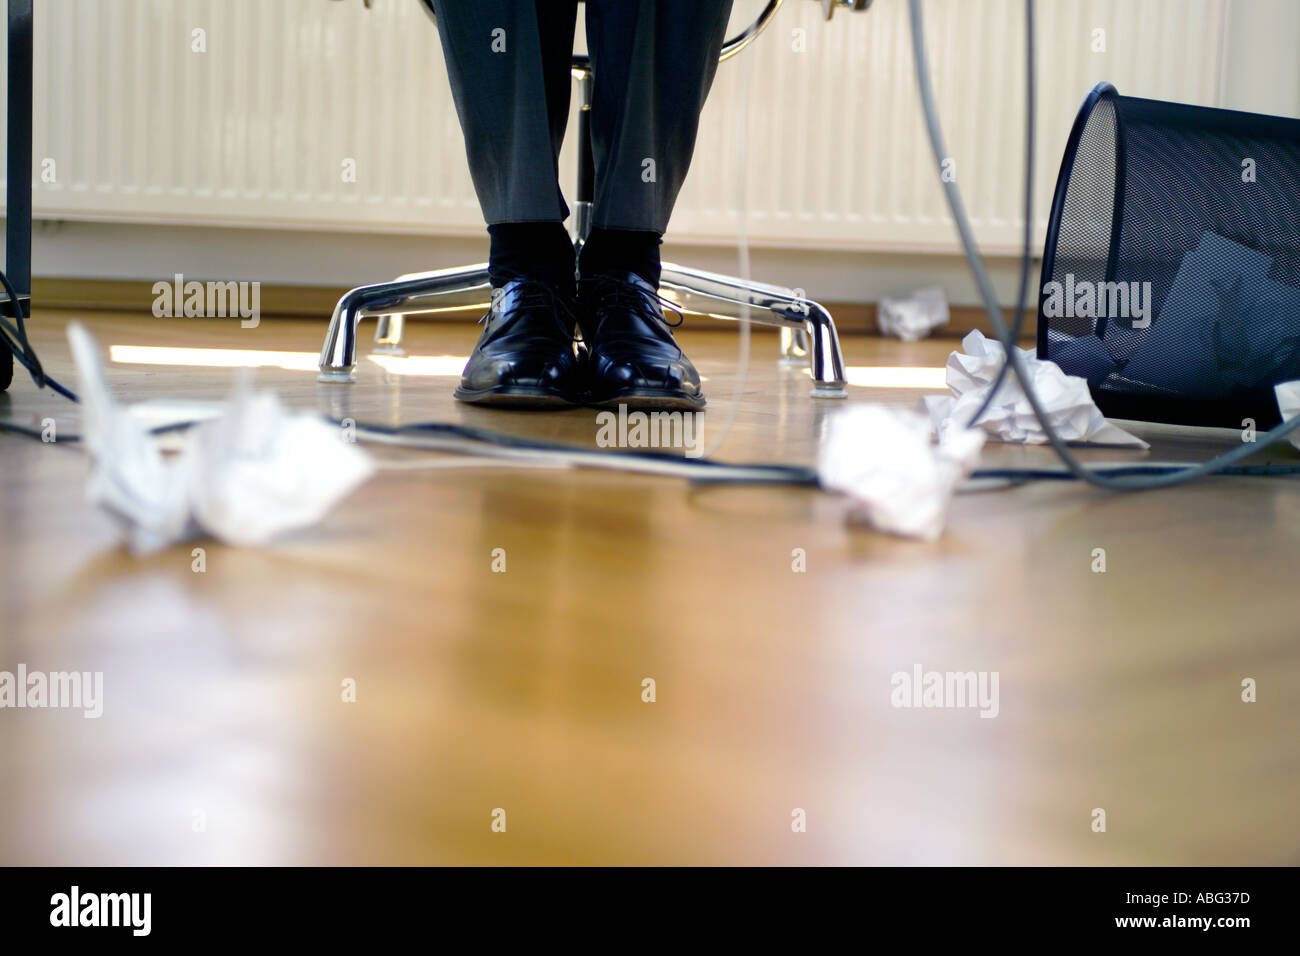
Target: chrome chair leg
(794,346)
(388,335)
(408,295)
(810,328)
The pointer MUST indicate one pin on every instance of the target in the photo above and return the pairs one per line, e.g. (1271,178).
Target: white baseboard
(100,250)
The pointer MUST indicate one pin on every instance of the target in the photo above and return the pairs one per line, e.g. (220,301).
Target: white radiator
(287,97)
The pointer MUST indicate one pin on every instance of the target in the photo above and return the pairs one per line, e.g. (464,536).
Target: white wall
(1261,63)
(1244,58)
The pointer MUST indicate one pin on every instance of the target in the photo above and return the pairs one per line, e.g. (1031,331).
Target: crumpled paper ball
(1288,403)
(1009,417)
(913,318)
(886,460)
(249,473)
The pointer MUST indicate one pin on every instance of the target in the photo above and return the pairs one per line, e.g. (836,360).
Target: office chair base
(808,336)
(392,301)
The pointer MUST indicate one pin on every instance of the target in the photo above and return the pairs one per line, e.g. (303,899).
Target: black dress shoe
(525,357)
(632,358)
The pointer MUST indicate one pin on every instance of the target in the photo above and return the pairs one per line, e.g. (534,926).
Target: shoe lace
(612,293)
(530,295)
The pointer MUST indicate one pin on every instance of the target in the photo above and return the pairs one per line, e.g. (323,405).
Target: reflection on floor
(224,737)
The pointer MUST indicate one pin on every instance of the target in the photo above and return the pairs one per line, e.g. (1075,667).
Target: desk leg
(18,223)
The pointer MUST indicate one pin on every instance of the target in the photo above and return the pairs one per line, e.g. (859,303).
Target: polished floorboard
(225,739)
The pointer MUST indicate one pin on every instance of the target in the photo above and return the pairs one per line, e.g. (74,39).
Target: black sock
(534,250)
(622,250)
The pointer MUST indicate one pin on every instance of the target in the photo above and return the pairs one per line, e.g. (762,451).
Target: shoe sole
(514,397)
(652,401)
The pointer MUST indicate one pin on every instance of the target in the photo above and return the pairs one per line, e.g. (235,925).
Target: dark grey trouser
(653,63)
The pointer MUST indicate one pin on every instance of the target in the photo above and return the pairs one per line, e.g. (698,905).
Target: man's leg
(654,62)
(508,62)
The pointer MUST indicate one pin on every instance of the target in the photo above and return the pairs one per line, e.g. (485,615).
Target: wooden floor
(523,690)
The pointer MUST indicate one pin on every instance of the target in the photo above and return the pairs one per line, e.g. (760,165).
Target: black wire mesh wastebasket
(1171,273)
